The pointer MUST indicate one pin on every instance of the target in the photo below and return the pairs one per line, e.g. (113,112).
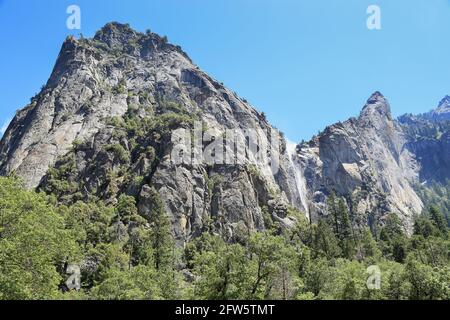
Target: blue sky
(306,64)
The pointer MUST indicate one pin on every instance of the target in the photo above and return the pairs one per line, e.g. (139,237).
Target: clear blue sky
(306,64)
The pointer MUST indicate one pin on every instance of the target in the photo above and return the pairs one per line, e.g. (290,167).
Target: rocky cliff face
(105,125)
(428,138)
(375,162)
(441,113)
(117,108)
(363,160)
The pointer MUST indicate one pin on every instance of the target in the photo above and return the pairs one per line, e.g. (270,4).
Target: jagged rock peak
(376,107)
(121,38)
(446,100)
(444,104)
(376,96)
(441,113)
(114,33)
(115,27)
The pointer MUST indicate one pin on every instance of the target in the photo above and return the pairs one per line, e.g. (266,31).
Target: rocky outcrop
(441,113)
(364,161)
(77,122)
(428,138)
(375,161)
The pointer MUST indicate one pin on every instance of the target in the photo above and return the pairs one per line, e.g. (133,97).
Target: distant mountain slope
(428,138)
(442,112)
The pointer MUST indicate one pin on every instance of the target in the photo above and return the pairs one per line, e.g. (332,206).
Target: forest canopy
(122,255)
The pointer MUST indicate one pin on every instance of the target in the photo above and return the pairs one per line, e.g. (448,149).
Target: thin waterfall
(300,182)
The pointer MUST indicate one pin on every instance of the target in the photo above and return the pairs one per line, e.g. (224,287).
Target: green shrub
(119,151)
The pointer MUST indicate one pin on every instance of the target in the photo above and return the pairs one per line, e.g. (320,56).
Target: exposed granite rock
(428,138)
(119,72)
(364,160)
(441,113)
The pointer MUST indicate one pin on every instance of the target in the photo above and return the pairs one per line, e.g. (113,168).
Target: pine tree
(332,209)
(394,238)
(438,219)
(342,225)
(344,220)
(368,244)
(325,241)
(424,226)
(161,236)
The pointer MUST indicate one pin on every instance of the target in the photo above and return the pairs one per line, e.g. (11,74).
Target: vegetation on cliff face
(123,255)
(126,155)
